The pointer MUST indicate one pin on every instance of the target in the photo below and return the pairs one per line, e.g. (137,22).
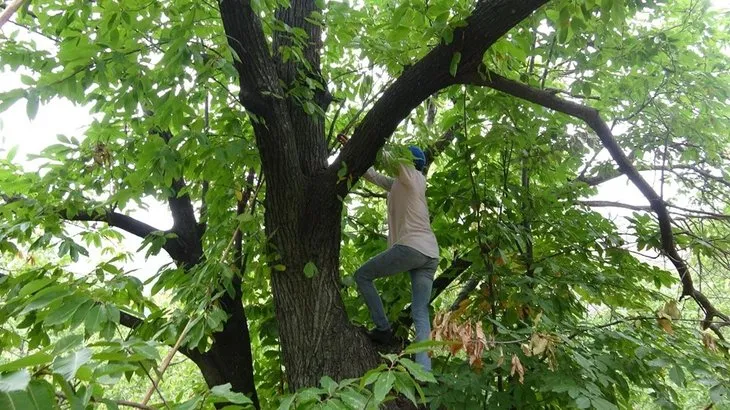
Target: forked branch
(592,117)
(257,74)
(489,21)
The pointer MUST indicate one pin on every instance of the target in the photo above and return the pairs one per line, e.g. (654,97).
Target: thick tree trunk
(229,359)
(302,207)
(317,337)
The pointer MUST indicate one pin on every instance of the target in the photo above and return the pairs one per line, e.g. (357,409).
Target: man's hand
(342,139)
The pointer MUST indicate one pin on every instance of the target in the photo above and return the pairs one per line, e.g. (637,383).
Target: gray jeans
(397,259)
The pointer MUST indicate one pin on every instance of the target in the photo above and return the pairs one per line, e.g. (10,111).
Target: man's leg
(421,284)
(395,260)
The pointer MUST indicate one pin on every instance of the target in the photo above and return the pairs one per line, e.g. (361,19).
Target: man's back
(408,220)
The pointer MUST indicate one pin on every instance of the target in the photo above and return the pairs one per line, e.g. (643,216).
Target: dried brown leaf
(517,368)
(666,324)
(465,334)
(671,309)
(526,349)
(481,337)
(709,341)
(538,344)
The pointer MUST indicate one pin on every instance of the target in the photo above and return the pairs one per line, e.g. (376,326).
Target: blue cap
(419,158)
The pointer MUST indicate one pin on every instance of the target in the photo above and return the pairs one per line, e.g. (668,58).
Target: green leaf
(41,395)
(14,381)
(31,107)
(583,402)
(417,371)
(404,385)
(658,362)
(310,269)
(45,297)
(677,375)
(602,404)
(28,361)
(424,346)
(93,319)
(448,36)
(371,375)
(110,404)
(606,6)
(148,351)
(328,384)
(455,59)
(382,386)
(34,286)
(342,172)
(564,19)
(80,315)
(84,373)
(353,398)
(11,154)
(287,402)
(16,400)
(68,365)
(224,392)
(7,99)
(718,393)
(192,404)
(64,312)
(334,404)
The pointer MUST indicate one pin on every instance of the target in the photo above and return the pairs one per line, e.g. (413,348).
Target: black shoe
(383,337)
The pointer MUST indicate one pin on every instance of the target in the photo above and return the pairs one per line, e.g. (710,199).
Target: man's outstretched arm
(371,174)
(378,179)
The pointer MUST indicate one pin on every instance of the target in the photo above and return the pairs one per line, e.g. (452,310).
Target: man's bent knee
(363,275)
(360,278)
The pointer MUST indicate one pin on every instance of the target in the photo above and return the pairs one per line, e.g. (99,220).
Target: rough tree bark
(303,204)
(303,194)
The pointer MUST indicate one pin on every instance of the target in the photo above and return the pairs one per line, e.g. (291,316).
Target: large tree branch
(592,117)
(257,74)
(685,212)
(490,20)
(114,219)
(262,95)
(297,75)
(184,222)
(298,15)
(240,209)
(174,248)
(615,173)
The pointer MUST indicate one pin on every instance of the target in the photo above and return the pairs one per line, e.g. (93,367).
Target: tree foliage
(227,113)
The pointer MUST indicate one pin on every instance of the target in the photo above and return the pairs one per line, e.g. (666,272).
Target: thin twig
(164,366)
(125,403)
(10,10)
(633,318)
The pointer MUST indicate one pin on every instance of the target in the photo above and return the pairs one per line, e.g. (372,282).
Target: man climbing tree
(412,246)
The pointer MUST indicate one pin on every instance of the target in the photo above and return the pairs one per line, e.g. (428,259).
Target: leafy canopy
(554,292)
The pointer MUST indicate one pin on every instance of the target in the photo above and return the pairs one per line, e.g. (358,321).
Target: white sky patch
(62,117)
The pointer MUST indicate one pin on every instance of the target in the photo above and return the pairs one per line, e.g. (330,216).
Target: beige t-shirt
(408,221)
